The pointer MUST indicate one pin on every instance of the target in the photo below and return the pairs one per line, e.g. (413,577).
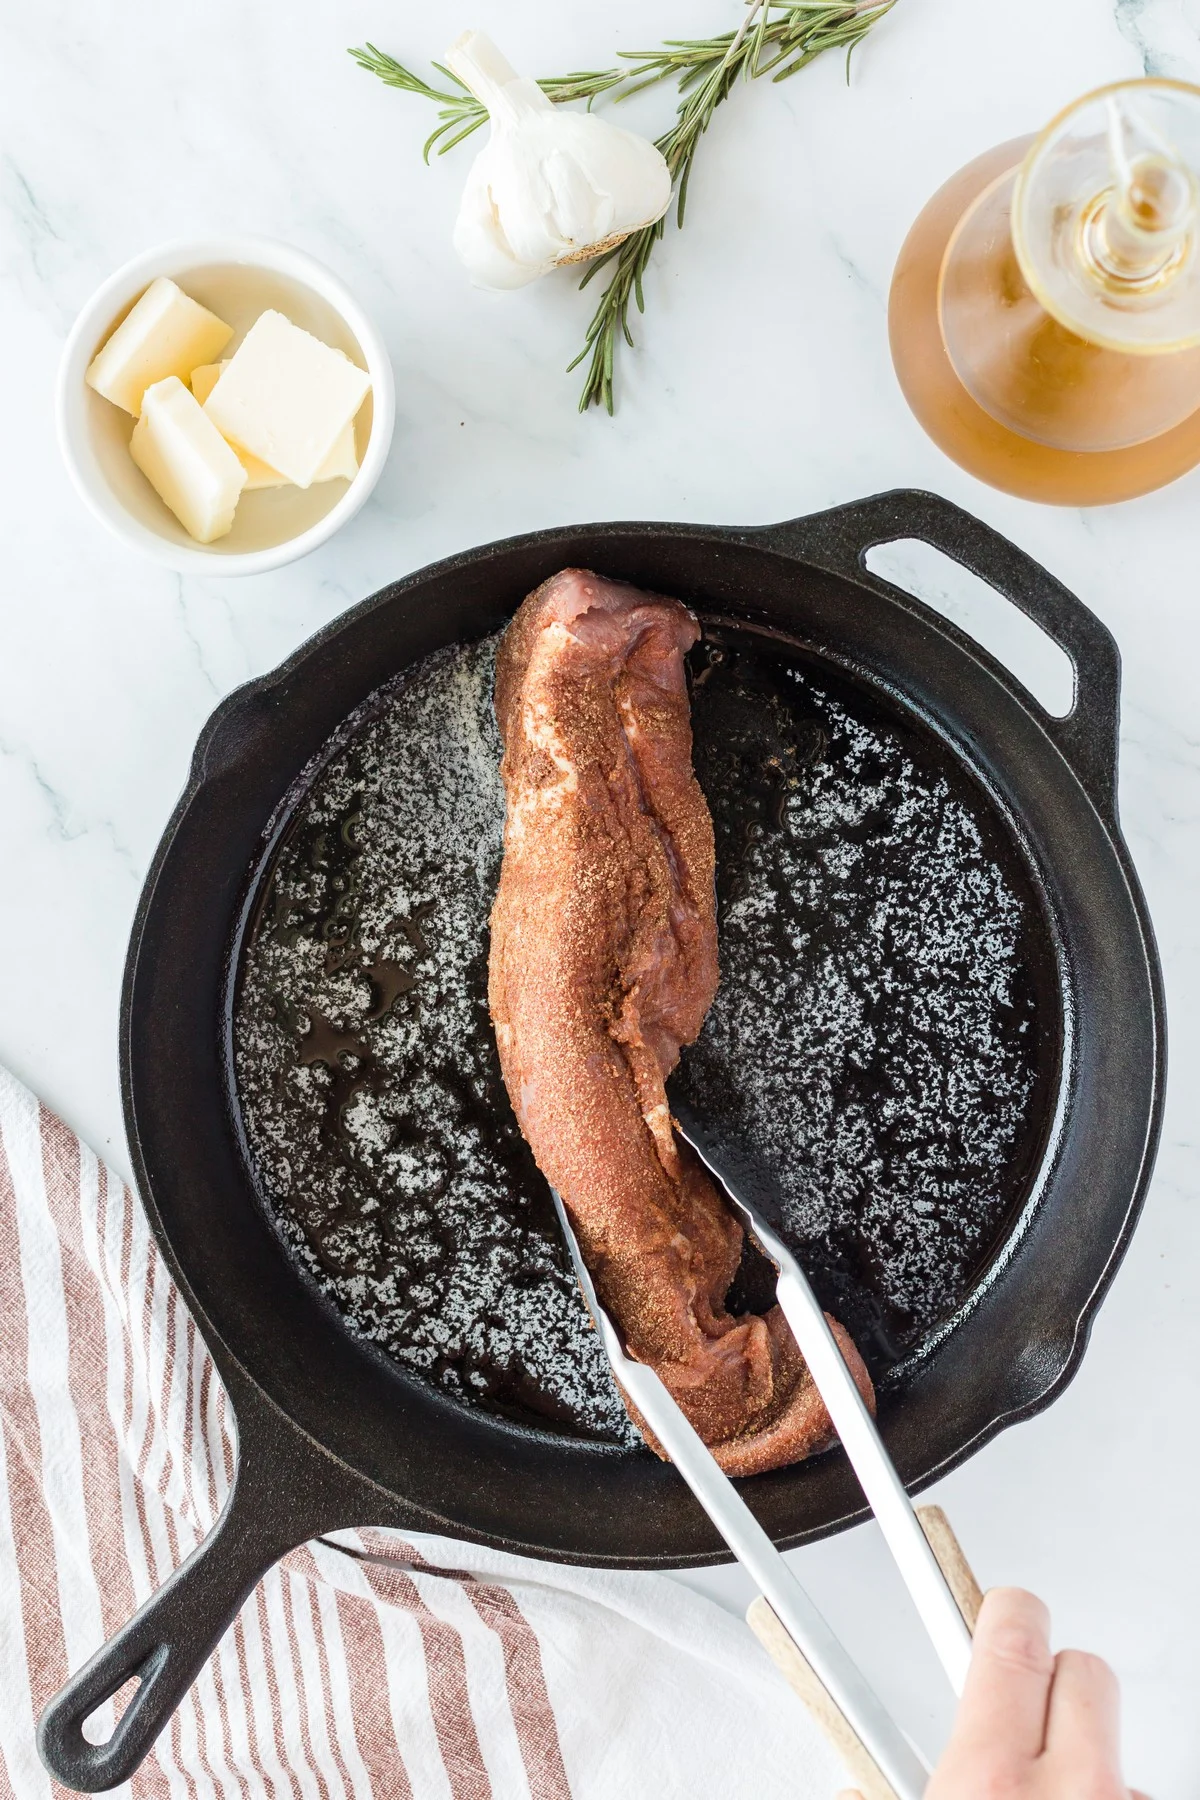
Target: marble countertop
(761,389)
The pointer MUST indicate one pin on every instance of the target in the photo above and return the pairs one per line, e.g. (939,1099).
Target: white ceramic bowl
(237,277)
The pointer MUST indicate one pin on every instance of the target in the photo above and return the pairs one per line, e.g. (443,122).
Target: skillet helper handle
(800,1675)
(840,538)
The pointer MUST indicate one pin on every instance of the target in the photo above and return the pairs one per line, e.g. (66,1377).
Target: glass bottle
(1045,308)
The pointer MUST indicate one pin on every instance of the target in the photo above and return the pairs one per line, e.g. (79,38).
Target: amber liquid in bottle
(1040,390)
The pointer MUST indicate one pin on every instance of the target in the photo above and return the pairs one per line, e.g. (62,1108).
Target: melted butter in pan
(877,1044)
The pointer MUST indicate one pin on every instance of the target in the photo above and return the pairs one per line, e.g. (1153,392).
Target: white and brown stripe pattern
(115,1457)
(371,1666)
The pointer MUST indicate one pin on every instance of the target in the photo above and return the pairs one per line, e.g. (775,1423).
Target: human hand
(1030,1725)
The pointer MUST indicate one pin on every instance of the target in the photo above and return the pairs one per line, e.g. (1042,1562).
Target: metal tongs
(881,1758)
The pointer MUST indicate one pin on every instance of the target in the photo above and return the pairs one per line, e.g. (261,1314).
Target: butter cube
(258,474)
(186,460)
(340,464)
(204,380)
(287,397)
(167,333)
(342,461)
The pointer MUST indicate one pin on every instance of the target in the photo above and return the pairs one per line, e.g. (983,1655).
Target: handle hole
(977,608)
(100,1724)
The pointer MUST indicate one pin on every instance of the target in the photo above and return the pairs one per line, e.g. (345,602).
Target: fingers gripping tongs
(880,1757)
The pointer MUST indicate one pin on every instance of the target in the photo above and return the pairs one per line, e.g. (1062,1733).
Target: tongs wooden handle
(792,1663)
(952,1561)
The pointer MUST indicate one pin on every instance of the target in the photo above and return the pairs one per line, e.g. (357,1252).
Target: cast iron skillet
(333,1434)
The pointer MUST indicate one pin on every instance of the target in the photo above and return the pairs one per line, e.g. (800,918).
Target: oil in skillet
(882,1047)
(370,1089)
(883,1073)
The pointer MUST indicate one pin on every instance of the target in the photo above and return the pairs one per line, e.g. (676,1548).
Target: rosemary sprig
(459,111)
(796,31)
(781,39)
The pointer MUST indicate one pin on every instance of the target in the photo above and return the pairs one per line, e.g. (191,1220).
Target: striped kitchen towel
(373,1666)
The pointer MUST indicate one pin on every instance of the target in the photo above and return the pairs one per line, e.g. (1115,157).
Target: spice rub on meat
(603,964)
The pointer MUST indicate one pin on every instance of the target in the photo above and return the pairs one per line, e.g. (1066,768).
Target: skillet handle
(839,539)
(284,1493)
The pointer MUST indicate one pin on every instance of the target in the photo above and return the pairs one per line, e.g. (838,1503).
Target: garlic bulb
(550,186)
